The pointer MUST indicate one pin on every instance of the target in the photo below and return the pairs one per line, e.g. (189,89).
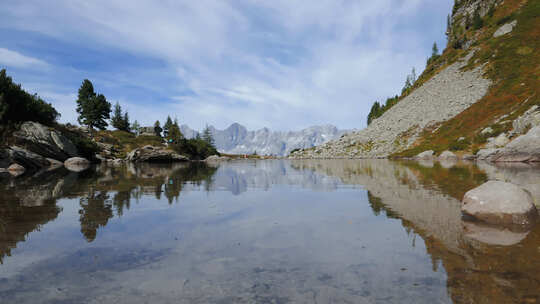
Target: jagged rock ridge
(236,139)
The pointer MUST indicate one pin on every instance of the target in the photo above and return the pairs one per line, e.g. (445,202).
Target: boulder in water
(497,202)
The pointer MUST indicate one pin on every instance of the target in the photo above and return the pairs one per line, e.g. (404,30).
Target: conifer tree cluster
(120,121)
(207,136)
(17,105)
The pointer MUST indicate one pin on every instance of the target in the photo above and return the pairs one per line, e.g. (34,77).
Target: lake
(266,231)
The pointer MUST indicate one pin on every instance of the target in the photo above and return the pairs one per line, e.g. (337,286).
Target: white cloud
(13,59)
(282,63)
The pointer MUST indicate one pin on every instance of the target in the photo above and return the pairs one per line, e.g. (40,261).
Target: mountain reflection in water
(302,231)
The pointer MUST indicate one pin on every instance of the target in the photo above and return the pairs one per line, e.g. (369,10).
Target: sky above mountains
(282,64)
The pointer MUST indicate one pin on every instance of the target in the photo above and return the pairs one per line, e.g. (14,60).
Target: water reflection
(271,232)
(28,203)
(485,264)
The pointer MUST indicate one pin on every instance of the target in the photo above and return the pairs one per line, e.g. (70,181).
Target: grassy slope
(512,61)
(124,142)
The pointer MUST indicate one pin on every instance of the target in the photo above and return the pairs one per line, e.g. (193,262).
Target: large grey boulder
(525,148)
(497,202)
(425,155)
(77,164)
(45,141)
(154,154)
(447,155)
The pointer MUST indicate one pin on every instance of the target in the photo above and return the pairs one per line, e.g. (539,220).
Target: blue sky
(282,64)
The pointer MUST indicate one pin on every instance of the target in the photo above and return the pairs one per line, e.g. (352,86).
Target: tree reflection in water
(103,192)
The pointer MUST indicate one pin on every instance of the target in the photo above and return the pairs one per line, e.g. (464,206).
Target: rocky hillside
(236,139)
(480,94)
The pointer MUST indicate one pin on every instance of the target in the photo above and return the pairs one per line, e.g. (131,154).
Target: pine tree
(413,76)
(407,85)
(207,136)
(125,122)
(478,23)
(120,121)
(157,128)
(135,126)
(491,11)
(175,135)
(167,125)
(117,119)
(434,50)
(93,109)
(374,112)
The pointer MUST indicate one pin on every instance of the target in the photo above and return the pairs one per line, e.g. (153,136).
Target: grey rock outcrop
(505,29)
(154,154)
(497,202)
(527,121)
(470,7)
(29,160)
(77,164)
(525,148)
(486,154)
(486,131)
(45,141)
(216,158)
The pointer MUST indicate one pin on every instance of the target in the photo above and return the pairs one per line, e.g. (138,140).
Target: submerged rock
(77,164)
(499,202)
(154,154)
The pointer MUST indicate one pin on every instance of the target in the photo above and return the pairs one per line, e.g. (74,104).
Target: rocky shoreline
(37,148)
(522,144)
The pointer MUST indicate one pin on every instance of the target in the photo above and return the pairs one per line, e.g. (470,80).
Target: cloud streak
(11,58)
(283,64)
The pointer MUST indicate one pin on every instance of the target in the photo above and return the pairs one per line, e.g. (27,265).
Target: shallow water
(332,231)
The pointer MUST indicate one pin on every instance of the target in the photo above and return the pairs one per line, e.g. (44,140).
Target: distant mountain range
(236,139)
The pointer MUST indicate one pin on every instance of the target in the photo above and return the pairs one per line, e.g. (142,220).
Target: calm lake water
(276,231)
